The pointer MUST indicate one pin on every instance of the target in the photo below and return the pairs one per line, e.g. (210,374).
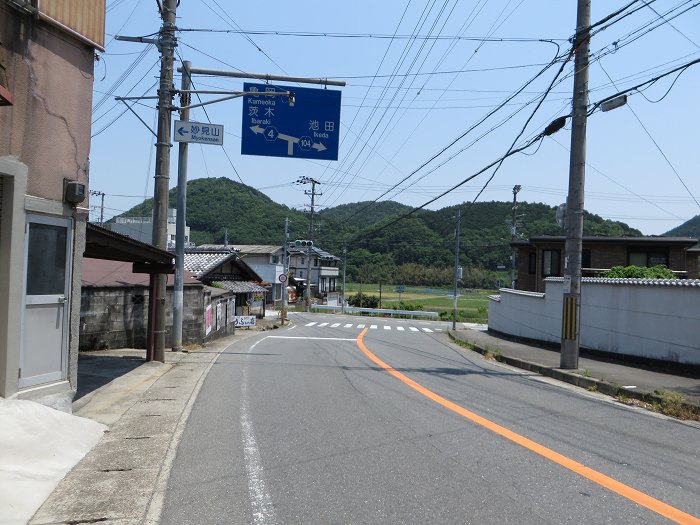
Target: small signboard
(199,132)
(244,320)
(305,126)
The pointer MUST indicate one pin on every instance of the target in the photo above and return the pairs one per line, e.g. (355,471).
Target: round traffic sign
(283,278)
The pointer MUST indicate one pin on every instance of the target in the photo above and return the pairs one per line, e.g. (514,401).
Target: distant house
(141,228)
(266,260)
(226,270)
(322,270)
(542,257)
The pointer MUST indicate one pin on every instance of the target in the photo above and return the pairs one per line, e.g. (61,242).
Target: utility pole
(312,194)
(571,309)
(456,276)
(285,270)
(345,263)
(102,204)
(513,234)
(166,44)
(178,292)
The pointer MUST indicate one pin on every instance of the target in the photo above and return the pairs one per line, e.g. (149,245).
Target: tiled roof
(640,282)
(201,262)
(240,286)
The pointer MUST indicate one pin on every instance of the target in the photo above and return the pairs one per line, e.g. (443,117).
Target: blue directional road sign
(305,127)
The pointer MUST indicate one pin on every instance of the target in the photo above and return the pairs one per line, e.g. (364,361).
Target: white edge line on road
(260,498)
(315,338)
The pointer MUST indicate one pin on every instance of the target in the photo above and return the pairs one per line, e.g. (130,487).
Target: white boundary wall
(656,319)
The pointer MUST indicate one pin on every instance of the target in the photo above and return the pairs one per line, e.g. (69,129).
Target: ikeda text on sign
(304,124)
(199,132)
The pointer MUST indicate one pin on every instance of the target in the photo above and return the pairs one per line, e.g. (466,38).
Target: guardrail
(379,311)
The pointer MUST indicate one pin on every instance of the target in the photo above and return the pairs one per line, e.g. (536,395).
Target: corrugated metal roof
(102,272)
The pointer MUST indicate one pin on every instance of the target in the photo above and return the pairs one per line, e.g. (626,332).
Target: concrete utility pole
(457,276)
(570,331)
(180,225)
(513,234)
(312,194)
(167,42)
(285,270)
(345,263)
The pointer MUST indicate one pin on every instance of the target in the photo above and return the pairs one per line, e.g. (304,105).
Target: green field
(472,305)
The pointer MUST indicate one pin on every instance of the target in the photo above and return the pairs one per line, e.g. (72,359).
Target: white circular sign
(283,278)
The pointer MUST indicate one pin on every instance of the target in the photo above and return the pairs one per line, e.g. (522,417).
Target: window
(303,261)
(315,261)
(551,263)
(532,262)
(586,259)
(274,259)
(644,258)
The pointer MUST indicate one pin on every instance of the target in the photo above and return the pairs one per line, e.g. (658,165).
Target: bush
(406,306)
(364,301)
(639,272)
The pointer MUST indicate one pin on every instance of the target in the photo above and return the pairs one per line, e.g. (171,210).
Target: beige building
(47,56)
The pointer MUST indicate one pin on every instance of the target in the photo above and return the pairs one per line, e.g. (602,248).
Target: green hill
(689,228)
(426,238)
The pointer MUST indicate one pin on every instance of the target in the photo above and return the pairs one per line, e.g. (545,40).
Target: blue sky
(448,66)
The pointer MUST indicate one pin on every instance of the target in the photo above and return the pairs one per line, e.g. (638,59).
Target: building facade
(47,55)
(542,257)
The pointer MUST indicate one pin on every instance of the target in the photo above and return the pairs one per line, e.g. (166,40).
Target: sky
(435,92)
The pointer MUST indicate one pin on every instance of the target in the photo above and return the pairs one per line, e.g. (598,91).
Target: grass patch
(664,402)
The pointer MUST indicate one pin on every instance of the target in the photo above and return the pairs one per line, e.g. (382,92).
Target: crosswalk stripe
(311,324)
(400,328)
(348,325)
(427,330)
(413,328)
(373,327)
(360,326)
(323,324)
(335,325)
(387,327)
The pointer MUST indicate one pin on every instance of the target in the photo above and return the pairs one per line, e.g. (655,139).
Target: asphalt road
(329,423)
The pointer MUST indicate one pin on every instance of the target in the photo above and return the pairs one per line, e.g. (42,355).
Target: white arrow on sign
(290,140)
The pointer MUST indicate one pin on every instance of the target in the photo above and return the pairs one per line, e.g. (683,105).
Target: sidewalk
(614,378)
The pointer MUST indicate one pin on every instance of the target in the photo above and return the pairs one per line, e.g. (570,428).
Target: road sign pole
(180,224)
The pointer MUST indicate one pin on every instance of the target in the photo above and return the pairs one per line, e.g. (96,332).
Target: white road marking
(323,324)
(373,327)
(260,499)
(400,328)
(360,326)
(413,329)
(427,330)
(310,324)
(348,325)
(335,325)
(387,327)
(311,338)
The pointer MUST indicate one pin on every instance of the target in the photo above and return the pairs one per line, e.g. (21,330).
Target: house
(321,267)
(542,257)
(226,270)
(266,260)
(47,56)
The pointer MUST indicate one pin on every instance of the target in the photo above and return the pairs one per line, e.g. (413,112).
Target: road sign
(199,132)
(282,278)
(275,126)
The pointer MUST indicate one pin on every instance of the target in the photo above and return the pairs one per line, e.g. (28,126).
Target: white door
(44,354)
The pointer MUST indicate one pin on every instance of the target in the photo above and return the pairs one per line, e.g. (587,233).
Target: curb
(589,383)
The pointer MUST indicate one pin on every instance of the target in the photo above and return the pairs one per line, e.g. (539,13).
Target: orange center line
(601,479)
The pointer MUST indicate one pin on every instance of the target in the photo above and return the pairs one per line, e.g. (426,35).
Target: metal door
(44,353)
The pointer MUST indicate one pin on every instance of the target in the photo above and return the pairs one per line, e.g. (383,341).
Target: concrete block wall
(653,319)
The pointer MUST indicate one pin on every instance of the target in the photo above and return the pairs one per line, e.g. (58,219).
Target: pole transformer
(167,42)
(571,309)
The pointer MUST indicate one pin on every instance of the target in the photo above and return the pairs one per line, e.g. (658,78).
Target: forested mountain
(383,233)
(689,228)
